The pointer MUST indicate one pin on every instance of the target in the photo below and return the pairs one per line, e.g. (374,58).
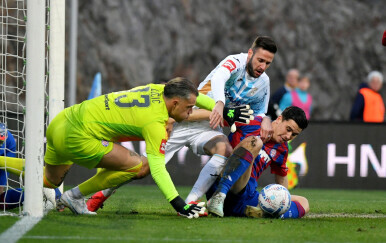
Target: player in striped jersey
(234,194)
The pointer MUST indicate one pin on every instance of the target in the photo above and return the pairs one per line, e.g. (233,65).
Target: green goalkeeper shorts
(68,143)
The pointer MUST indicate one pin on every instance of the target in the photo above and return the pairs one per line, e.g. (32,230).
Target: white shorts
(193,135)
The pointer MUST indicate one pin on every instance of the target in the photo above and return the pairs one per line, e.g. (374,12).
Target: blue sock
(234,169)
(295,211)
(14,198)
(58,194)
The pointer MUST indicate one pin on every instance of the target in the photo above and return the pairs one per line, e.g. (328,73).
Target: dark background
(336,42)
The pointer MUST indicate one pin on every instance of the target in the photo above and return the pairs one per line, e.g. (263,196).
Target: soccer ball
(274,199)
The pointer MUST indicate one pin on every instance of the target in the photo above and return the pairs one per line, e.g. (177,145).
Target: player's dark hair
(180,87)
(265,42)
(297,114)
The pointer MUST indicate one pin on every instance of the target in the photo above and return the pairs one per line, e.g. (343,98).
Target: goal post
(56,59)
(32,87)
(34,146)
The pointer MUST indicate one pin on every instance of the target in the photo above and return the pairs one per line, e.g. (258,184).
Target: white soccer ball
(274,199)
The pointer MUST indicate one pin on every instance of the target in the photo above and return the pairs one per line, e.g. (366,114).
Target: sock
(76,192)
(237,164)
(13,198)
(12,165)
(58,193)
(109,191)
(207,177)
(105,179)
(295,211)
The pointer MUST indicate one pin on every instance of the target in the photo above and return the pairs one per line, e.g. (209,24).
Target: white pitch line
(20,228)
(345,215)
(166,239)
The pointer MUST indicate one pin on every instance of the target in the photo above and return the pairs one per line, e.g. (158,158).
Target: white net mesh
(13,95)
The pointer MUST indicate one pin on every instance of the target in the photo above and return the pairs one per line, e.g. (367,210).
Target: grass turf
(140,213)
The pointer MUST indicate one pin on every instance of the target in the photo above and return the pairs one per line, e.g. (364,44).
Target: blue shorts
(235,204)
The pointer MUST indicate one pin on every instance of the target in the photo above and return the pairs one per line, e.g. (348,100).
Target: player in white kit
(237,80)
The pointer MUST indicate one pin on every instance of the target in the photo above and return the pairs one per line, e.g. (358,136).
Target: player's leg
(299,207)
(12,165)
(16,166)
(237,167)
(12,198)
(97,200)
(120,166)
(174,144)
(54,175)
(220,149)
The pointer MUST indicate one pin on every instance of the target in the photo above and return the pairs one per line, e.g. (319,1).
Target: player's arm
(164,182)
(266,129)
(199,115)
(231,114)
(155,137)
(241,114)
(205,102)
(282,180)
(279,167)
(218,80)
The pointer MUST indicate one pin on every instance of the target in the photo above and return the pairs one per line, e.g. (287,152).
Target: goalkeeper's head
(180,97)
(3,133)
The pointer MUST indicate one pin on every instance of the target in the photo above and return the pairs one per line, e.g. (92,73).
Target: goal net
(31,93)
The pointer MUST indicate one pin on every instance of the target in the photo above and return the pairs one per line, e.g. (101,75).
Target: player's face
(183,108)
(258,61)
(284,131)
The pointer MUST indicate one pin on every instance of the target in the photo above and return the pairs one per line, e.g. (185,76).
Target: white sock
(76,193)
(108,192)
(207,177)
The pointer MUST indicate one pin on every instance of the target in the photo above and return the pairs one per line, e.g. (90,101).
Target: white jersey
(240,88)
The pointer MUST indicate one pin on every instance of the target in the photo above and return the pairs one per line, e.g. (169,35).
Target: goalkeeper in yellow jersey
(86,134)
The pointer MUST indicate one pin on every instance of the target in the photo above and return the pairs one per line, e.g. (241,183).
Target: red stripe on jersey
(162,146)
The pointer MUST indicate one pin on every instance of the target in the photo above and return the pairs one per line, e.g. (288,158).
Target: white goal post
(42,22)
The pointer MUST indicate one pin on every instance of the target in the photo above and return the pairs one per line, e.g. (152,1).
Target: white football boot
(76,205)
(216,204)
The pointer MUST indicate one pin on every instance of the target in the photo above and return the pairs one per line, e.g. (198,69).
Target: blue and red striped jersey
(272,154)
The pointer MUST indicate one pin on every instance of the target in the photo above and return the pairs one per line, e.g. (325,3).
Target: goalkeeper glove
(187,210)
(242,114)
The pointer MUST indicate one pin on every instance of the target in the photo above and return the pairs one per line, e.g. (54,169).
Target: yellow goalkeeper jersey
(136,114)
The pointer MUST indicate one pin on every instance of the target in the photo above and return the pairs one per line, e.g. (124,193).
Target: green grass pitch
(141,214)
